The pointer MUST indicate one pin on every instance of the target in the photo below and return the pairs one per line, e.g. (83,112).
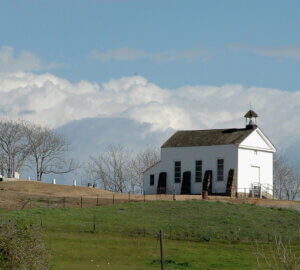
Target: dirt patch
(32,194)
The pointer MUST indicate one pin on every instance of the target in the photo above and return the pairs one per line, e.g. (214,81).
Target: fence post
(48,203)
(64,202)
(144,196)
(81,202)
(245,192)
(129,196)
(30,203)
(94,223)
(174,194)
(97,200)
(113,198)
(161,249)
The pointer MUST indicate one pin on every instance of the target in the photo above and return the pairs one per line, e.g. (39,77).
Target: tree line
(286,179)
(25,144)
(119,169)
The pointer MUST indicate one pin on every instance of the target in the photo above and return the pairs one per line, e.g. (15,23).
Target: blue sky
(171,43)
(132,72)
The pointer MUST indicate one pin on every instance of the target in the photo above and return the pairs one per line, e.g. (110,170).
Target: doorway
(186,183)
(162,183)
(255,174)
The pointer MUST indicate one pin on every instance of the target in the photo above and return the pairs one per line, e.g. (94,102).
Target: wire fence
(98,200)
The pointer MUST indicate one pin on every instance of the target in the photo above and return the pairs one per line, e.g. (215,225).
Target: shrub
(21,247)
(277,255)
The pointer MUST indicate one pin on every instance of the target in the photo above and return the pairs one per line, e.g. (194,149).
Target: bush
(277,255)
(21,247)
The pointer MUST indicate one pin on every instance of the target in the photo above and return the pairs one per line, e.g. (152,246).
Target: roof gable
(188,138)
(257,140)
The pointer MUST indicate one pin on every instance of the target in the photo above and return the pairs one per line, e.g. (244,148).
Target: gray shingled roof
(186,138)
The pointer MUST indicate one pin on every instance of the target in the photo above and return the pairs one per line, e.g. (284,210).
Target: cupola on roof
(250,114)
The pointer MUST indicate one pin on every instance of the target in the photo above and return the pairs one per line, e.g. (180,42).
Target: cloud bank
(54,101)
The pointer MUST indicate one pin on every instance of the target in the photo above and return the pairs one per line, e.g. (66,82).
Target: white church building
(213,160)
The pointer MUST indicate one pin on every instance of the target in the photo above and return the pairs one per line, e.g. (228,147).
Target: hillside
(16,195)
(179,219)
(198,234)
(13,194)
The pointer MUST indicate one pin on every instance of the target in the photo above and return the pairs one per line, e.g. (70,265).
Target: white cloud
(25,61)
(288,51)
(132,54)
(54,101)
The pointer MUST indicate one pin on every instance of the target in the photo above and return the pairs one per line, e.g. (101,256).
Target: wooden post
(113,198)
(94,223)
(97,200)
(81,202)
(64,201)
(30,203)
(161,249)
(129,196)
(48,203)
(174,198)
(144,196)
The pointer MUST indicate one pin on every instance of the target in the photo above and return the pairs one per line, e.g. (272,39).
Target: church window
(220,171)
(198,171)
(177,172)
(151,179)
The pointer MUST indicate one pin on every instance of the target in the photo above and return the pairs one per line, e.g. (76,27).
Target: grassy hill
(198,234)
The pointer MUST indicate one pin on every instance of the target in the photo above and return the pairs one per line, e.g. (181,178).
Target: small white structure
(196,160)
(74,183)
(54,181)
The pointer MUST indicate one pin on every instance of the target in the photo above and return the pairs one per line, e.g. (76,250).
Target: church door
(162,183)
(186,183)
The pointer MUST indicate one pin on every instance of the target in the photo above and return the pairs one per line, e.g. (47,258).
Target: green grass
(87,251)
(126,234)
(189,220)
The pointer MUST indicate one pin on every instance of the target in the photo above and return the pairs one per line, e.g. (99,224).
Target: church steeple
(250,124)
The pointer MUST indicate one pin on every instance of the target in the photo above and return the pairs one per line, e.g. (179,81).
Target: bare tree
(286,179)
(2,159)
(110,168)
(142,161)
(48,151)
(13,147)
(95,172)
